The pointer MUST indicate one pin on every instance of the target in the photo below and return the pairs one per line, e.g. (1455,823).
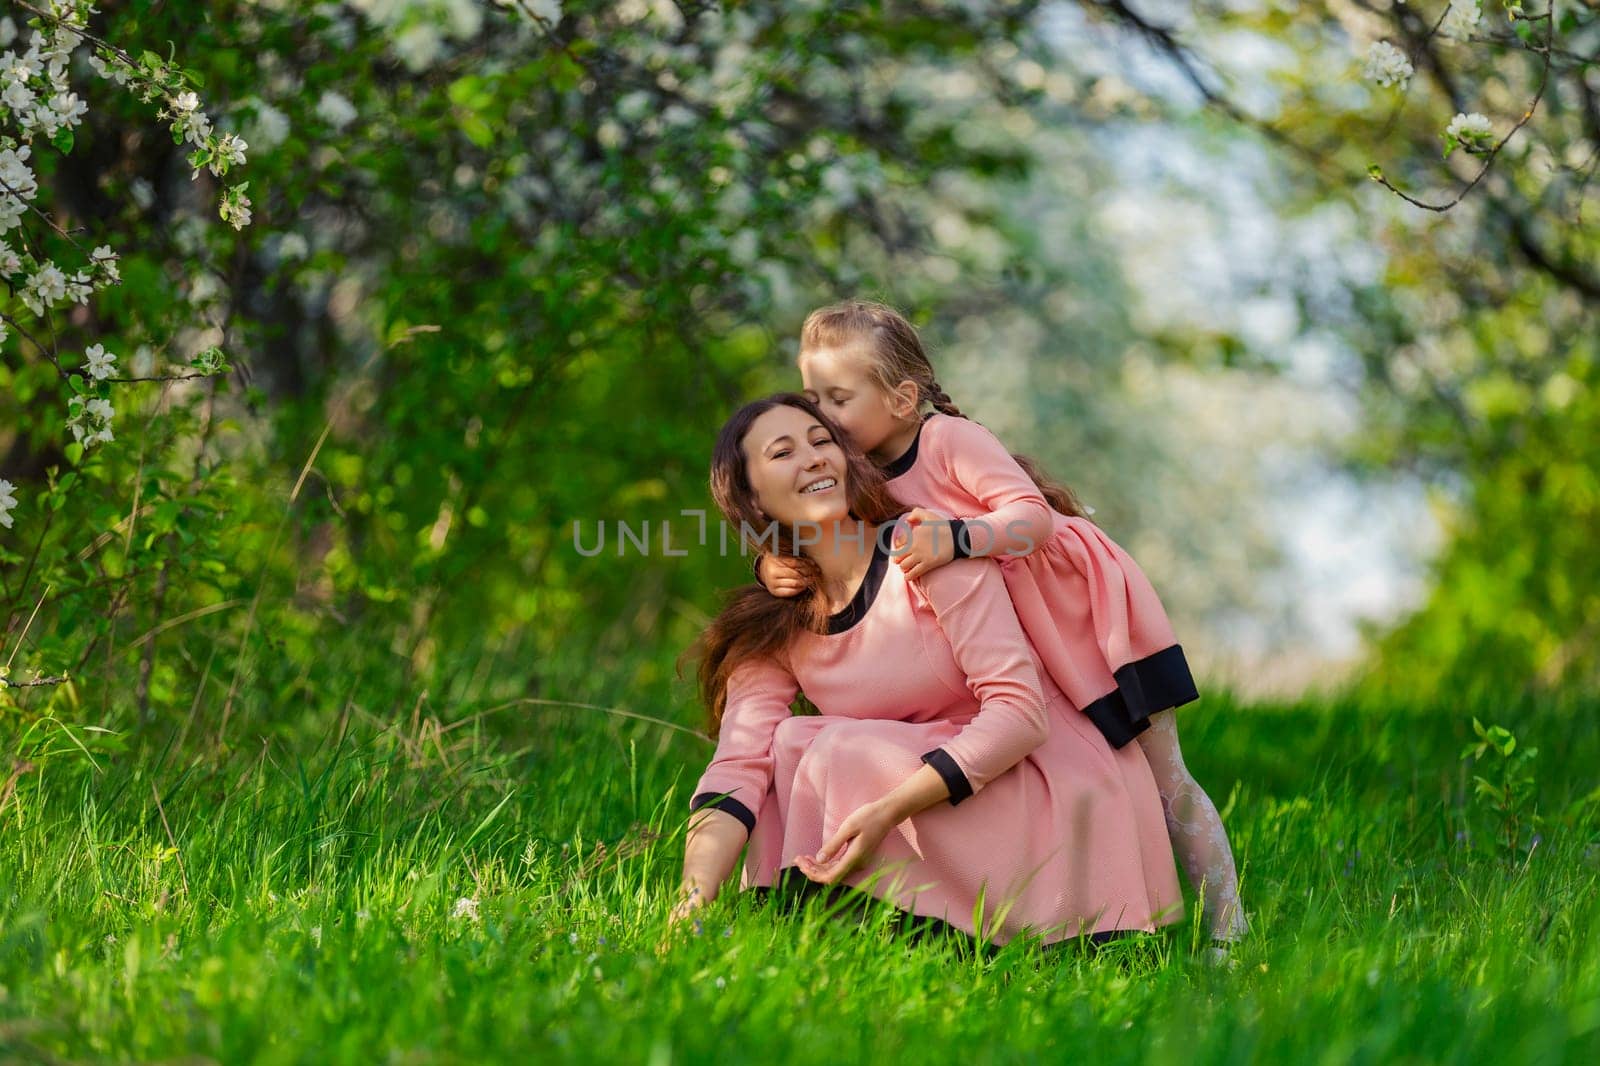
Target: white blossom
(92,424)
(1460,20)
(229,153)
(336,111)
(15,174)
(1469,129)
(184,103)
(79,287)
(17,96)
(465,907)
(102,259)
(8,502)
(8,32)
(1387,65)
(11,211)
(45,289)
(235,209)
(10,261)
(100,363)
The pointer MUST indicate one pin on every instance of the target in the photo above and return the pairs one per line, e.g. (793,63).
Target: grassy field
(304,903)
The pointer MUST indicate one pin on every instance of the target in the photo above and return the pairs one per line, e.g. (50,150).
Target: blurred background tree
(513,264)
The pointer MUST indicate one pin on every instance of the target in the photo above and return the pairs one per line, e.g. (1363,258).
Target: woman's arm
(1018,519)
(974,611)
(732,788)
(712,847)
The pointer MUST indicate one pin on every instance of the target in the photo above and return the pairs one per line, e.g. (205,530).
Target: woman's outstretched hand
(857,839)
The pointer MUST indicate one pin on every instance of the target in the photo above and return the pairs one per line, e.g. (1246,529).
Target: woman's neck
(843,551)
(896,444)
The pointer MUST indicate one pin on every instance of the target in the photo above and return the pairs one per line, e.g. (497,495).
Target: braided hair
(897,355)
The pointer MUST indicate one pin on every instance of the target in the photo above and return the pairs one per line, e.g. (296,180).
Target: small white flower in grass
(1461,19)
(336,111)
(8,502)
(465,908)
(1387,65)
(101,364)
(1471,131)
(316,935)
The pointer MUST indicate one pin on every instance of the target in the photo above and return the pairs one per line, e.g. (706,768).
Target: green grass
(290,903)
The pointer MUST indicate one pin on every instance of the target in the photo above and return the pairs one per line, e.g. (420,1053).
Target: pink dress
(1093,617)
(1049,829)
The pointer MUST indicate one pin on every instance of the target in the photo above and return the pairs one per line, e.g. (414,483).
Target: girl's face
(837,379)
(795,467)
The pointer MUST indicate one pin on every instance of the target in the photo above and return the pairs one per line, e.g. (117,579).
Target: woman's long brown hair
(753,622)
(898,355)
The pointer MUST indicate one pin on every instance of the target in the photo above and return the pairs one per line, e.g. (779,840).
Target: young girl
(1089,611)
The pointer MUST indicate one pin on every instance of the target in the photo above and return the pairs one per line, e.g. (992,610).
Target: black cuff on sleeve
(958,530)
(726,804)
(955,779)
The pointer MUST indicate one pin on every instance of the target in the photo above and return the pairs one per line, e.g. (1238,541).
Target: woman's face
(837,379)
(795,467)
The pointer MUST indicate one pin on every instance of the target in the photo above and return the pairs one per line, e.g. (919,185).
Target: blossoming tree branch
(44,258)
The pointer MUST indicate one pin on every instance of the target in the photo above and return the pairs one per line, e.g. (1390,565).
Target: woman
(944,774)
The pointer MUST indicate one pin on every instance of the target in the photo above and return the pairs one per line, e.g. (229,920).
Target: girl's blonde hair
(898,355)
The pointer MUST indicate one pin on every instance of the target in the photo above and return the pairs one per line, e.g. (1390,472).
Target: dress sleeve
(974,611)
(759,693)
(1018,519)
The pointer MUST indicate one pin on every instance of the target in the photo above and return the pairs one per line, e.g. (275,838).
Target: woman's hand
(857,839)
(781,575)
(931,544)
(692,898)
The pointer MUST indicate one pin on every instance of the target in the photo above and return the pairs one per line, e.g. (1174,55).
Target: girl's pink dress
(1093,617)
(1049,829)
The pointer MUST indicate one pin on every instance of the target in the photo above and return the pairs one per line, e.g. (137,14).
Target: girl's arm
(974,611)
(1017,520)
(738,777)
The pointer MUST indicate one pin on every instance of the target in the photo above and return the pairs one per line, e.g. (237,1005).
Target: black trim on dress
(726,804)
(856,609)
(909,459)
(958,530)
(1144,687)
(955,778)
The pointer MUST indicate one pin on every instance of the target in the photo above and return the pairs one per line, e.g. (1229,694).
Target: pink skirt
(1070,841)
(1099,629)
